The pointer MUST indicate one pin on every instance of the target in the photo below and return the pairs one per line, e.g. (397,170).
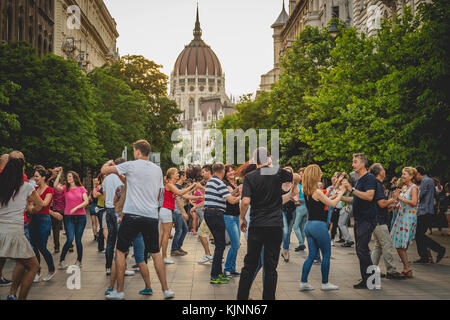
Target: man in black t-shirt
(262,191)
(364,212)
(383,241)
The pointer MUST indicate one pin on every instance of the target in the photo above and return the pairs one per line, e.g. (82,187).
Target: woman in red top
(41,225)
(165,214)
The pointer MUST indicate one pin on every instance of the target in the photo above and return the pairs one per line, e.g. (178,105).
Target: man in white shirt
(144,186)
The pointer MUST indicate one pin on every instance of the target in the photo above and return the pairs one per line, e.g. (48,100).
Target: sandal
(407,274)
(285,260)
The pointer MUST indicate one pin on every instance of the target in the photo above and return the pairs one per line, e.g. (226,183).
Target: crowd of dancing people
(131,204)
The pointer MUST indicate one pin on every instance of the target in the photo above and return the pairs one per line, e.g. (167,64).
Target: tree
(54,106)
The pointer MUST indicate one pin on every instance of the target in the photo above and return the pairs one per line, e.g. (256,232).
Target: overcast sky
(237,30)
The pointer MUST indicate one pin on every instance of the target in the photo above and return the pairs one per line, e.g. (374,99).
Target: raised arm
(57,185)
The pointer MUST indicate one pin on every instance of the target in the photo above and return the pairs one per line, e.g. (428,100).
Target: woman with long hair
(231,218)
(404,230)
(41,225)
(14,196)
(316,228)
(165,214)
(92,209)
(76,198)
(57,211)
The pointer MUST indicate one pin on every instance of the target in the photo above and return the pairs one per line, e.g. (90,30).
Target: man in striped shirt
(216,196)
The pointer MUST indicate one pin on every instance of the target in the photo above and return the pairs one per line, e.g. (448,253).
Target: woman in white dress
(15,194)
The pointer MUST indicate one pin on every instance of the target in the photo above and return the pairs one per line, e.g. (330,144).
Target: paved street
(190,280)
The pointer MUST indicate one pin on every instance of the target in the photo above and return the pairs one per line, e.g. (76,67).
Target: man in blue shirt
(364,212)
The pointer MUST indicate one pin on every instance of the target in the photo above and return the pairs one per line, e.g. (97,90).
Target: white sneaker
(329,286)
(306,287)
(78,264)
(115,296)
(205,259)
(332,243)
(49,277)
(129,273)
(62,266)
(37,278)
(168,261)
(108,271)
(169,294)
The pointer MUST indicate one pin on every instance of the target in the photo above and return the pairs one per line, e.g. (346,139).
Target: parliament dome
(197,58)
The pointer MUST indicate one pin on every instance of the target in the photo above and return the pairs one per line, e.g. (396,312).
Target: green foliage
(54,106)
(386,96)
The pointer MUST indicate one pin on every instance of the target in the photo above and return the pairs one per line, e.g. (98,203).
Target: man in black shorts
(144,185)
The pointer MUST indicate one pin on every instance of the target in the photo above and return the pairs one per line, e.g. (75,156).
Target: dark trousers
(216,224)
(363,234)
(422,240)
(56,229)
(111,221)
(100,237)
(270,238)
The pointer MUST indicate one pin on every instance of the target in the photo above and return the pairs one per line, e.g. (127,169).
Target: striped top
(215,193)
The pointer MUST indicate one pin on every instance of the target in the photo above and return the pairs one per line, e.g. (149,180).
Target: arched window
(39,45)
(9,26)
(191,109)
(20,30)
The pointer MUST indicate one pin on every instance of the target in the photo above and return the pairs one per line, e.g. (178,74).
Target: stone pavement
(190,280)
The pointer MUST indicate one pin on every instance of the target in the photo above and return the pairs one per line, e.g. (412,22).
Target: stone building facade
(93,42)
(28,20)
(365,15)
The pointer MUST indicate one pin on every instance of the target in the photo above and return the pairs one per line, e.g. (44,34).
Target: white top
(110,185)
(12,213)
(144,183)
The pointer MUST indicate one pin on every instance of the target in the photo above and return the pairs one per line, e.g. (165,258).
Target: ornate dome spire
(197,30)
(282,18)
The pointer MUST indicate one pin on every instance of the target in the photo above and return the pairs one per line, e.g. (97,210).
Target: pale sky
(237,30)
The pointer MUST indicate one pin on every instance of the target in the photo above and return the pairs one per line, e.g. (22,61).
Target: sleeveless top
(169,200)
(316,210)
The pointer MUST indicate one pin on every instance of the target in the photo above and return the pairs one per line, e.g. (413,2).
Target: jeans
(216,224)
(342,223)
(363,234)
(318,238)
(26,230)
(181,229)
(301,217)
(111,221)
(232,227)
(74,225)
(40,228)
(101,237)
(287,229)
(424,242)
(139,248)
(258,237)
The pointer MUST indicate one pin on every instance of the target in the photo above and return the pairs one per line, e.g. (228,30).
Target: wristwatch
(353,189)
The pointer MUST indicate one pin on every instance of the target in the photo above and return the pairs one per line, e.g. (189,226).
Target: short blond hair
(311,177)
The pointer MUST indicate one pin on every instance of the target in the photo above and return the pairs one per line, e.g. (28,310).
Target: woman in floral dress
(404,230)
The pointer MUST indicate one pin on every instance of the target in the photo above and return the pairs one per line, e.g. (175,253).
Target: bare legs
(404,258)
(23,276)
(95,225)
(204,242)
(166,228)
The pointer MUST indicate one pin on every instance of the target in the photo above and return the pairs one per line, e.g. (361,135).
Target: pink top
(169,200)
(198,194)
(73,198)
